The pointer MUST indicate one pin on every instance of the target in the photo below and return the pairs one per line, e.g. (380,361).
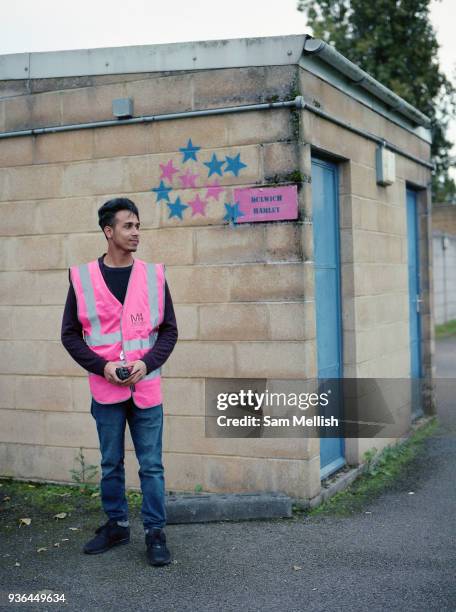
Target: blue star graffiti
(201,172)
(189,151)
(176,208)
(215,166)
(234,164)
(162,191)
(232,212)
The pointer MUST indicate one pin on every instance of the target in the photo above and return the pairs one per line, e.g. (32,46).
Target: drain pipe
(297,103)
(315,46)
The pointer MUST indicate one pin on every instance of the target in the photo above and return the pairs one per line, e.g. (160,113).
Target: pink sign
(266,203)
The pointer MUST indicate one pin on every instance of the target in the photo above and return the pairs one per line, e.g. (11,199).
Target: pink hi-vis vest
(119,332)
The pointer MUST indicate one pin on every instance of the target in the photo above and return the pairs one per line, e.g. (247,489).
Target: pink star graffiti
(198,206)
(214,190)
(188,179)
(168,171)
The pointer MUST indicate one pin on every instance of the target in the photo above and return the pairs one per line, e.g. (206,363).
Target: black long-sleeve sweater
(117,281)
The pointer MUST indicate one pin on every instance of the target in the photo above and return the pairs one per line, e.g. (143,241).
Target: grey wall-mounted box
(122,108)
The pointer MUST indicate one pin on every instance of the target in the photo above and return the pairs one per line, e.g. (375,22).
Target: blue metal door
(414,301)
(325,219)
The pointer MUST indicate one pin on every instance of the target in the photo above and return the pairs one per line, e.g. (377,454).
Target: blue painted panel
(324,214)
(414,294)
(325,220)
(328,323)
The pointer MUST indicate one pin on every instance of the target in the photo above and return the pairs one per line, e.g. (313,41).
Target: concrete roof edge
(193,55)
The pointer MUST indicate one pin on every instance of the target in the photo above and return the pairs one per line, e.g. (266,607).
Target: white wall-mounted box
(386,166)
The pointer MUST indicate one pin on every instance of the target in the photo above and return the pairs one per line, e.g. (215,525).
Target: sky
(51,25)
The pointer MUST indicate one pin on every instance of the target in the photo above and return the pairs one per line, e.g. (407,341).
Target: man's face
(125,233)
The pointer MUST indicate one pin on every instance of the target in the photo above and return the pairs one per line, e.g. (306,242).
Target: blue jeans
(146,427)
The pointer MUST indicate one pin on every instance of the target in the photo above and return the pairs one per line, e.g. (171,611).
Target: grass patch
(445,329)
(43,500)
(380,474)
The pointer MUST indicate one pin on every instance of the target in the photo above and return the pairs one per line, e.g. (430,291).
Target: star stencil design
(189,151)
(214,190)
(188,179)
(162,192)
(198,206)
(168,171)
(176,208)
(234,164)
(214,165)
(232,212)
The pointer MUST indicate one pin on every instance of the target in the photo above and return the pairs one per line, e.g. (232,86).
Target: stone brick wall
(444,218)
(243,296)
(444,251)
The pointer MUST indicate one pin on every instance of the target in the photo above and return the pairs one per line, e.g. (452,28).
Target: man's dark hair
(107,212)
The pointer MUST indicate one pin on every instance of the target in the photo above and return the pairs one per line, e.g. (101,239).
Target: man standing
(119,325)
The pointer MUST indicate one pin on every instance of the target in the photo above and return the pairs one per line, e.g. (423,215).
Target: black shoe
(157,551)
(110,534)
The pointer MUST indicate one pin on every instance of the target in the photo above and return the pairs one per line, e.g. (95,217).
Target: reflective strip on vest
(140,343)
(153,296)
(96,338)
(152,374)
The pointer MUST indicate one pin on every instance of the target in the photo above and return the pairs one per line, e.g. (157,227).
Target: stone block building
(444,262)
(252,300)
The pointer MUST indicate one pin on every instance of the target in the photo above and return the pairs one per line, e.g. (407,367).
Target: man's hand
(138,371)
(110,372)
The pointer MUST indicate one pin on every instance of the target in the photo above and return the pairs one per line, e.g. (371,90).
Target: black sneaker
(157,551)
(108,535)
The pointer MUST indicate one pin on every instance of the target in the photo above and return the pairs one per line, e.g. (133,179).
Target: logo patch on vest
(137,319)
